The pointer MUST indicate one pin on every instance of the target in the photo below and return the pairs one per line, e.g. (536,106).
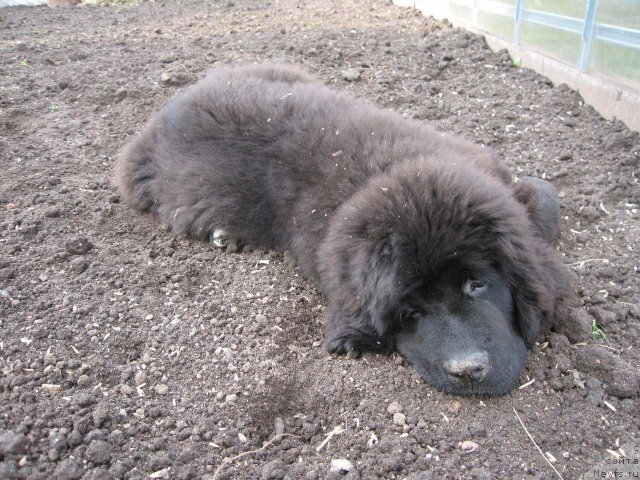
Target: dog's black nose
(468,366)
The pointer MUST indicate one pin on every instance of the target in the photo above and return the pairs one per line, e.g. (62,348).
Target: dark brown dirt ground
(129,353)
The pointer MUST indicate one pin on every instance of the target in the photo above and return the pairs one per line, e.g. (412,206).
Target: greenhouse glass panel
(555,43)
(461,12)
(497,24)
(617,62)
(569,8)
(622,13)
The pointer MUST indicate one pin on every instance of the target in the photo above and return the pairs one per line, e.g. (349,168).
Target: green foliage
(598,331)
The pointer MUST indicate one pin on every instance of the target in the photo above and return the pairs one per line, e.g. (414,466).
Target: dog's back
(267,153)
(197,163)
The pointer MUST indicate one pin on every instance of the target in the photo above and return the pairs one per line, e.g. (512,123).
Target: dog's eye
(408,317)
(474,287)
(385,251)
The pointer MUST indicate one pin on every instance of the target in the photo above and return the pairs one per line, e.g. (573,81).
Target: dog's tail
(136,171)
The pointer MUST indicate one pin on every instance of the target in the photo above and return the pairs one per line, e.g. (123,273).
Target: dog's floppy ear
(540,198)
(538,281)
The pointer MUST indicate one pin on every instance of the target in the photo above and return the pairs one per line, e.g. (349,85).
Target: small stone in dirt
(140,378)
(120,94)
(187,456)
(57,440)
(341,465)
(64,333)
(78,245)
(274,470)
(53,212)
(399,419)
(232,397)
(51,387)
(120,468)
(161,389)
(477,430)
(393,408)
(603,317)
(98,452)
(480,474)
(454,406)
(180,424)
(590,213)
(101,414)
(175,78)
(7,273)
(392,463)
(468,446)
(350,75)
(621,379)
(74,439)
(79,265)
(159,461)
(626,139)
(68,469)
(12,443)
(95,434)
(49,358)
(126,390)
(577,326)
(279,426)
(83,380)
(559,342)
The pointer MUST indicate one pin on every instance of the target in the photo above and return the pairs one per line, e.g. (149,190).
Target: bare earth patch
(129,353)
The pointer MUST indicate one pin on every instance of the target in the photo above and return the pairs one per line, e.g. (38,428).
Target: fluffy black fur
(419,239)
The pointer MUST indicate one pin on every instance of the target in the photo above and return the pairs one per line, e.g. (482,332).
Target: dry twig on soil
(227,461)
(588,260)
(536,445)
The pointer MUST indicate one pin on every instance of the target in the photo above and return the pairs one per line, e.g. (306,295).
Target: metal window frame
(586,27)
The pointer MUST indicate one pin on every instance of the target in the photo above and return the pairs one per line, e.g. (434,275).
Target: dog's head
(443,265)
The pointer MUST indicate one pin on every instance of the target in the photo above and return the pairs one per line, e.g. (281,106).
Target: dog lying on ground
(420,240)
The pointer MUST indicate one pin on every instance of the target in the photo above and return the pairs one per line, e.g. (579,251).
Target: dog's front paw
(343,346)
(221,239)
(354,343)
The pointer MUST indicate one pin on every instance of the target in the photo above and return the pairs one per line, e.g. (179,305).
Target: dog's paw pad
(219,238)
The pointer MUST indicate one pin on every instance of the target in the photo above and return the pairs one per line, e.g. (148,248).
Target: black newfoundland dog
(420,240)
